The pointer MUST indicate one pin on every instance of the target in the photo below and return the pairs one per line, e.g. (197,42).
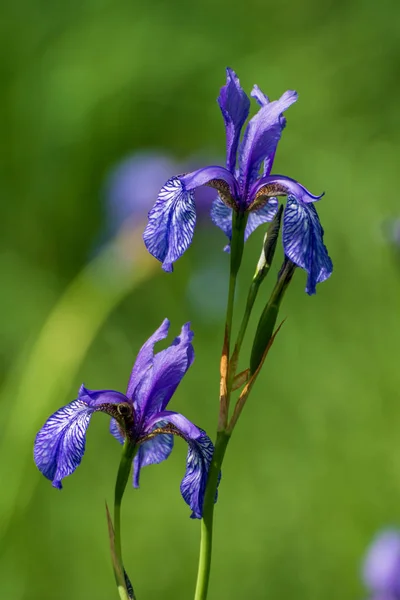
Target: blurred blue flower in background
(133,184)
(139,416)
(381,567)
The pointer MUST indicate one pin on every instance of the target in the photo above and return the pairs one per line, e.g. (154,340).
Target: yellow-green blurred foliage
(314,466)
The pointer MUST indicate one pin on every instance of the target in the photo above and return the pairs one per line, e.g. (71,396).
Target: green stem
(229,308)
(239,221)
(203,574)
(120,485)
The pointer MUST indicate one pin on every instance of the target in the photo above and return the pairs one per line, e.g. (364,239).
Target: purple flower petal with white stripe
(303,242)
(193,486)
(172,219)
(235,106)
(60,444)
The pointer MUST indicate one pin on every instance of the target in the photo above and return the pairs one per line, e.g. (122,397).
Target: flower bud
(269,316)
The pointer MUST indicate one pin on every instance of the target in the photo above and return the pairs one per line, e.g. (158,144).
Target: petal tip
(167,267)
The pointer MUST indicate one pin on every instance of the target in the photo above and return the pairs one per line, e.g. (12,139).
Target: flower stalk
(204,568)
(239,221)
(124,470)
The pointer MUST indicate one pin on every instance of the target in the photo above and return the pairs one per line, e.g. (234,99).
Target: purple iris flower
(245,185)
(381,568)
(139,416)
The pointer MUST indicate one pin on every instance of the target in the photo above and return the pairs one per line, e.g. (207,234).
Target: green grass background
(314,466)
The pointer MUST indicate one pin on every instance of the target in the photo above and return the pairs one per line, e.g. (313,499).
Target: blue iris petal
(303,242)
(221,216)
(152,452)
(116,432)
(193,486)
(265,214)
(235,106)
(261,138)
(172,219)
(60,444)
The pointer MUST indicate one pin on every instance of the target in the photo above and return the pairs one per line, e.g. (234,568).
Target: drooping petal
(265,214)
(144,359)
(216,177)
(221,216)
(280,185)
(193,486)
(235,106)
(261,138)
(160,381)
(172,220)
(152,452)
(60,444)
(303,242)
(200,451)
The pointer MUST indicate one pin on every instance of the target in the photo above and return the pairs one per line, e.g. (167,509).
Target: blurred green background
(314,466)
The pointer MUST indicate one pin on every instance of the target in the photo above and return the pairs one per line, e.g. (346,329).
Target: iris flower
(139,416)
(245,185)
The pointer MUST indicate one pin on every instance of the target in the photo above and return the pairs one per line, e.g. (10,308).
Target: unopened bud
(266,324)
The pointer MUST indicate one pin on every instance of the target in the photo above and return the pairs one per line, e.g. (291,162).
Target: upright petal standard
(138,416)
(245,185)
